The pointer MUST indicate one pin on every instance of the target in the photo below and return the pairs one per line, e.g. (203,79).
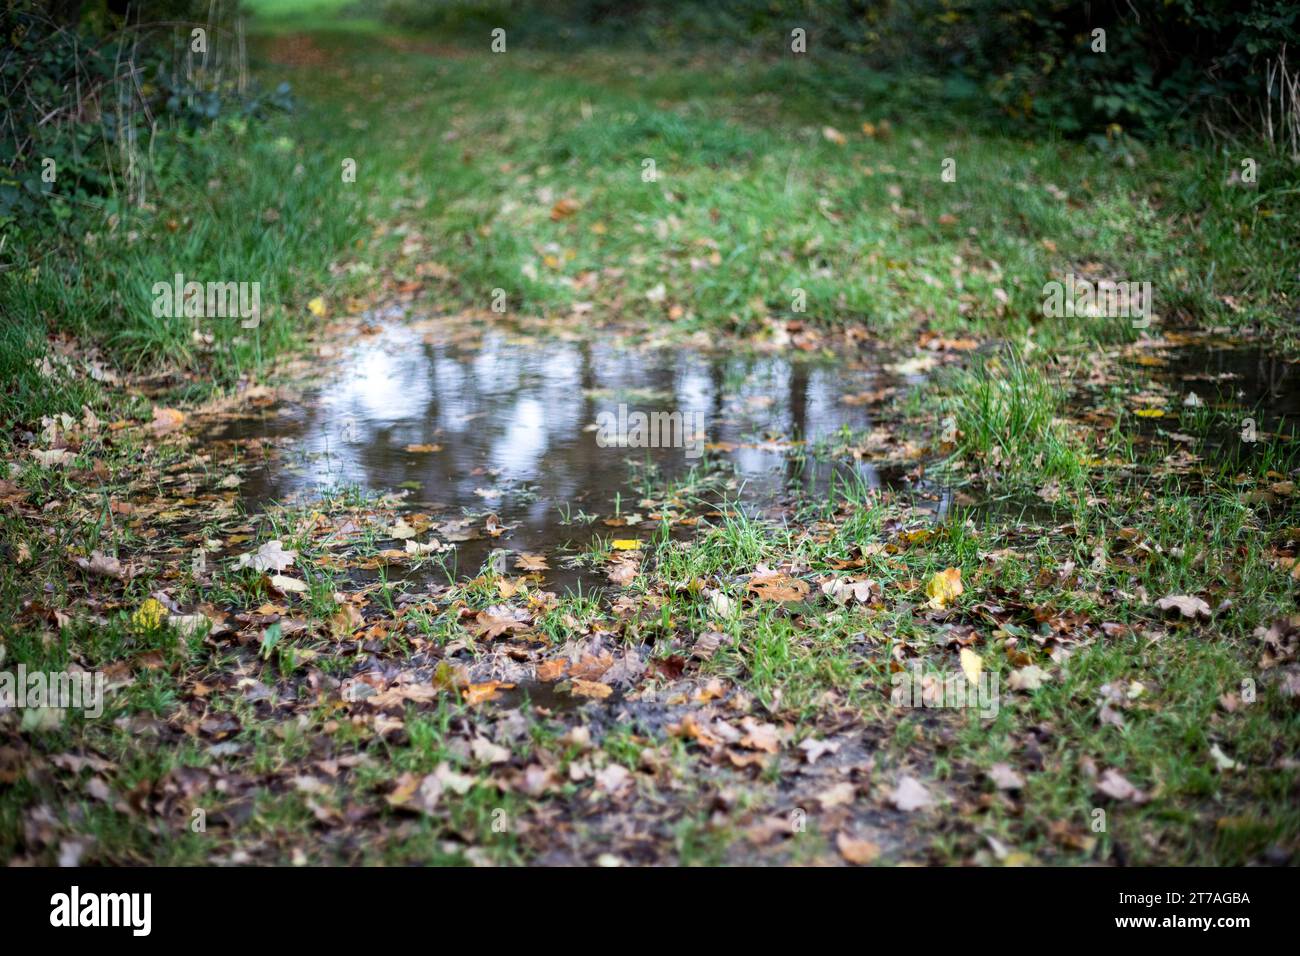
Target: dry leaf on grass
(859,852)
(776,586)
(1185,604)
(271,556)
(944,588)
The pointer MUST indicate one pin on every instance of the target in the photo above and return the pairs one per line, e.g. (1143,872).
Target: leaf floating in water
(478,693)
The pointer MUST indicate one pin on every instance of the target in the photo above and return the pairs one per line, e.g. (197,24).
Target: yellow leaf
(944,587)
(971,665)
(149,615)
(1150,413)
(316,307)
(625,544)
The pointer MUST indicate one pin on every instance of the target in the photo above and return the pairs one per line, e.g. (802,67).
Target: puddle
(1241,389)
(474,422)
(542,697)
(1249,376)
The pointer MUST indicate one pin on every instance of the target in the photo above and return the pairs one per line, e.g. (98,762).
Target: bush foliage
(95,100)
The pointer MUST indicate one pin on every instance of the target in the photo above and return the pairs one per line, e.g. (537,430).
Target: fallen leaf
(613,778)
(564,208)
(622,573)
(813,748)
(552,670)
(707,644)
(149,616)
(778,587)
(501,619)
(103,565)
(187,625)
(1005,778)
(1221,760)
(842,590)
(485,751)
(858,852)
(288,585)
(591,688)
(1116,786)
(837,795)
(1027,678)
(1186,605)
(401,530)
(944,588)
(166,420)
(759,736)
(53,458)
(271,556)
(478,693)
(909,795)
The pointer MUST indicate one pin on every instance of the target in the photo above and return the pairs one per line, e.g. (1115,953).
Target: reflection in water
(509,427)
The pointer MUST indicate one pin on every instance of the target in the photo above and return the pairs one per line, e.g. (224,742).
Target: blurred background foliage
(102,86)
(98,94)
(1169,67)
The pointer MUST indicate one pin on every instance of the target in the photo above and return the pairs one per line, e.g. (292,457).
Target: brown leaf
(564,208)
(858,852)
(759,736)
(553,669)
(592,666)
(104,565)
(591,688)
(478,693)
(777,586)
(621,572)
(1116,786)
(166,420)
(500,619)
(531,562)
(707,644)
